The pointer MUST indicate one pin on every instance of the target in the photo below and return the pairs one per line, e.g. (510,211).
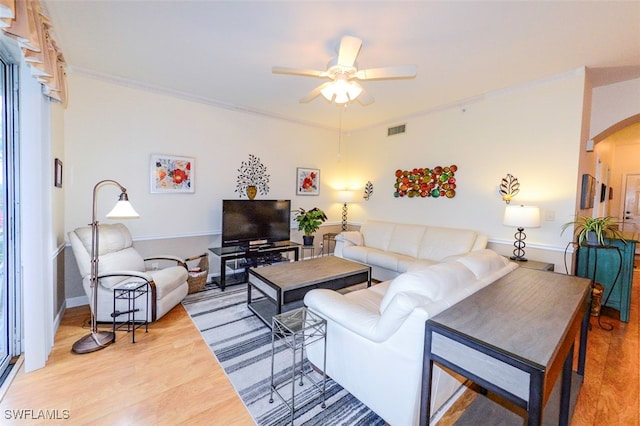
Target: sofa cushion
(483,262)
(124,260)
(405,239)
(113,237)
(416,265)
(376,234)
(383,259)
(168,279)
(356,253)
(435,282)
(439,243)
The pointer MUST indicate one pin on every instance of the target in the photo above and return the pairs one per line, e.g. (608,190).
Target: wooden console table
(514,337)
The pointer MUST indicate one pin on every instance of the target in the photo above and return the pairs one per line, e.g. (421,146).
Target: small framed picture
(57,173)
(307,181)
(171,174)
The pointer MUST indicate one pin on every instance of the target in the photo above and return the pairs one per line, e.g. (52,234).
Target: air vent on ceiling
(396,130)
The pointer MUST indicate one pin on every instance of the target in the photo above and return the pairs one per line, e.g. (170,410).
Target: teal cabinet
(612,266)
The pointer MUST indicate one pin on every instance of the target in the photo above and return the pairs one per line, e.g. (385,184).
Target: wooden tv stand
(257,256)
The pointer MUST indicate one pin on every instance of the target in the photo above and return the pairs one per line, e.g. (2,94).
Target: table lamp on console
(521,217)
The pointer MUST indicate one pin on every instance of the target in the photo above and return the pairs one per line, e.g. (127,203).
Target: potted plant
(309,222)
(253,177)
(593,230)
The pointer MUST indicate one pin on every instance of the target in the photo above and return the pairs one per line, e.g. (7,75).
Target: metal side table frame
(298,328)
(129,292)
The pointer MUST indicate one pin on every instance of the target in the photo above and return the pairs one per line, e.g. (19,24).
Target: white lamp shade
(341,91)
(123,210)
(345,196)
(522,216)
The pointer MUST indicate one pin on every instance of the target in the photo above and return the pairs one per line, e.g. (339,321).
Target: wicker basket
(198,276)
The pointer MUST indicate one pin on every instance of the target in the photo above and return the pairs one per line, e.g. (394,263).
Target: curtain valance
(24,21)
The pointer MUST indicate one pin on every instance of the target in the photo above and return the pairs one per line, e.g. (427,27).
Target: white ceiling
(222,52)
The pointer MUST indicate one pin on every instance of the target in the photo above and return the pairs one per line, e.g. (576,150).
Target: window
(9,326)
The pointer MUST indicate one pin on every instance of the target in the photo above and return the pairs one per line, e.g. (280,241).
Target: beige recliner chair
(120,262)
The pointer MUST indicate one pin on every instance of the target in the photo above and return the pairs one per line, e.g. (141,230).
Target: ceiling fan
(342,72)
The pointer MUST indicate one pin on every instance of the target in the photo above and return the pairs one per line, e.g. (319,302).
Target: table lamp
(521,217)
(345,197)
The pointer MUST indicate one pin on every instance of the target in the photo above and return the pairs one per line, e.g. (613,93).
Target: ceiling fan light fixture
(341,91)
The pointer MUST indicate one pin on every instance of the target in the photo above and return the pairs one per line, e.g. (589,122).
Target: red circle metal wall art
(423,182)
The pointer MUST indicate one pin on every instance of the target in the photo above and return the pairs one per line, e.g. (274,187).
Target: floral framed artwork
(307,181)
(171,174)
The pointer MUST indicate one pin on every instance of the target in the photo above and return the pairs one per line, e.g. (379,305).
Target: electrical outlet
(321,245)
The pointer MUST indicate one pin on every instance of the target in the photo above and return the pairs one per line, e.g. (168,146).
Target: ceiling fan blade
(365,98)
(400,71)
(299,71)
(314,93)
(349,49)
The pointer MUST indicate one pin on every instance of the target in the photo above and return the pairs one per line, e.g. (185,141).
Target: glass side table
(130,292)
(298,328)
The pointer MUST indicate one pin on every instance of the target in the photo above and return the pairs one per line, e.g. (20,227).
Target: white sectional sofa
(393,248)
(375,336)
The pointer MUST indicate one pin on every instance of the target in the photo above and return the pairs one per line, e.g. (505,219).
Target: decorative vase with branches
(253,178)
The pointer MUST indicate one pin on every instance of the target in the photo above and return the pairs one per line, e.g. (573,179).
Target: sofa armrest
(370,325)
(180,261)
(333,306)
(347,239)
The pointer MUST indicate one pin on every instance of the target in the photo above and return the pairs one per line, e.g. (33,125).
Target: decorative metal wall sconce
(368,190)
(509,187)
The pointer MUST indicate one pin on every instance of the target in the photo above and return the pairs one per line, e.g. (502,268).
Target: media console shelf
(258,256)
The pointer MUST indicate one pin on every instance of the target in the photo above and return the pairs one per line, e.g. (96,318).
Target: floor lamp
(97,340)
(521,217)
(345,197)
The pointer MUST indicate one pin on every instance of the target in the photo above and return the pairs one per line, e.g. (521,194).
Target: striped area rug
(242,345)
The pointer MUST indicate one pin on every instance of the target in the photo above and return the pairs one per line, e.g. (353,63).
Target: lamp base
(518,258)
(93,342)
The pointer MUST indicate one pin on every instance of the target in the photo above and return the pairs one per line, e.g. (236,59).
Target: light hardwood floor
(169,376)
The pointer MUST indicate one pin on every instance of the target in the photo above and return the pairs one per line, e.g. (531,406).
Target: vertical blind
(24,21)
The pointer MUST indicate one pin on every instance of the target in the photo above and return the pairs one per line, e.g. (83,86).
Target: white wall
(614,103)
(111,131)
(626,161)
(532,133)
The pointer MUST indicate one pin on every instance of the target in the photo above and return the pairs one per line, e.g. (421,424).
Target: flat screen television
(249,223)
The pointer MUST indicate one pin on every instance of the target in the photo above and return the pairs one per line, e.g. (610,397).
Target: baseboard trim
(77,301)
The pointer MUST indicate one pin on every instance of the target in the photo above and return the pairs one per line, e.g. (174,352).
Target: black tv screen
(255,222)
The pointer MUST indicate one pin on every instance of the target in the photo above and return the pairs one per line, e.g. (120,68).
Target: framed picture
(57,173)
(588,191)
(171,174)
(307,181)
